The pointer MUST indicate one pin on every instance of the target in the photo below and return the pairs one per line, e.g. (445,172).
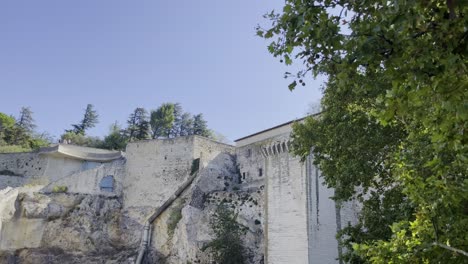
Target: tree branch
(451,248)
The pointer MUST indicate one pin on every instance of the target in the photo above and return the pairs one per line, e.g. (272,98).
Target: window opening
(107,183)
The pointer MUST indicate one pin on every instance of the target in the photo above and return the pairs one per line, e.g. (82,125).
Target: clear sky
(57,56)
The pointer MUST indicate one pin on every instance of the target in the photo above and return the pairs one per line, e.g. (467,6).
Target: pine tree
(138,125)
(200,126)
(186,125)
(178,113)
(90,119)
(25,121)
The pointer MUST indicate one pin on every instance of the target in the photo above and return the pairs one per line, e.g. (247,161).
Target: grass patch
(175,217)
(60,189)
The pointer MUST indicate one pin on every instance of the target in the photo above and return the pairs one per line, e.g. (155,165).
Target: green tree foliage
(6,124)
(183,122)
(392,133)
(81,140)
(90,119)
(185,125)
(25,121)
(227,247)
(200,126)
(138,125)
(6,121)
(116,139)
(24,126)
(162,121)
(178,113)
(18,135)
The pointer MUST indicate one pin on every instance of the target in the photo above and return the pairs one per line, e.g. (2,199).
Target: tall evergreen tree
(186,125)
(200,126)
(90,119)
(138,125)
(25,121)
(24,127)
(162,120)
(176,128)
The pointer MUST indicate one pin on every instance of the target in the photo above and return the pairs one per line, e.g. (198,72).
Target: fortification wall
(207,149)
(286,212)
(325,216)
(91,181)
(155,169)
(18,169)
(27,164)
(251,158)
(59,167)
(296,200)
(251,165)
(324,220)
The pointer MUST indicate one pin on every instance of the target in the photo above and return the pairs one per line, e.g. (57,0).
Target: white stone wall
(59,167)
(322,212)
(301,218)
(36,169)
(29,164)
(286,129)
(88,181)
(251,161)
(286,212)
(155,169)
(207,149)
(285,202)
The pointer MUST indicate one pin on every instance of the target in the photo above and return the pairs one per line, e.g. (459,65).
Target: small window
(243,175)
(249,153)
(107,184)
(260,172)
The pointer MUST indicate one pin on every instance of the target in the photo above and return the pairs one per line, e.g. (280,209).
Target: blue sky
(57,56)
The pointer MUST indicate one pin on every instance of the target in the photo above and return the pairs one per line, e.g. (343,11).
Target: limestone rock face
(67,228)
(83,228)
(182,232)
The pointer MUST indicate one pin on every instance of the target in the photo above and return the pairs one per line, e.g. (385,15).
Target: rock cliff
(82,228)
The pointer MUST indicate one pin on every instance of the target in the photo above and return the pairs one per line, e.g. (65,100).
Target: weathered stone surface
(67,228)
(193,232)
(59,256)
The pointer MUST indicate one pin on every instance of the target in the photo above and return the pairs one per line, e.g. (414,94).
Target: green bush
(227,247)
(173,220)
(60,189)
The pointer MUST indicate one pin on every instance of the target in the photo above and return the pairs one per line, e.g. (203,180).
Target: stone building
(281,201)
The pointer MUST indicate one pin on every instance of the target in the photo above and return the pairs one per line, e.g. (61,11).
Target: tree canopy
(392,131)
(19,134)
(162,120)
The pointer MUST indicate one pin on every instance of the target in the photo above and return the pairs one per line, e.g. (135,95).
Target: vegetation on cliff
(226,247)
